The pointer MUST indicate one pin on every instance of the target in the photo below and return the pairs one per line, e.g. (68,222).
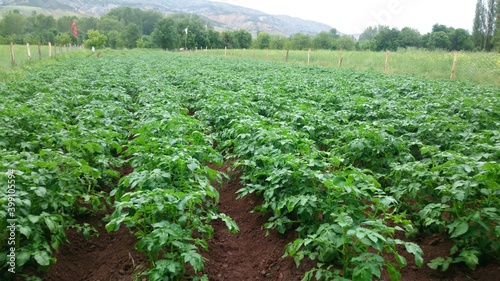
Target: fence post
(454,67)
(225,51)
(50,50)
(286,58)
(267,54)
(387,60)
(29,50)
(39,51)
(12,53)
(254,53)
(309,56)
(340,58)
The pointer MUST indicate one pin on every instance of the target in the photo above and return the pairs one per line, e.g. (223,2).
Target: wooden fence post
(39,52)
(386,67)
(254,53)
(286,58)
(29,50)
(454,67)
(50,50)
(267,54)
(225,51)
(12,53)
(309,56)
(340,58)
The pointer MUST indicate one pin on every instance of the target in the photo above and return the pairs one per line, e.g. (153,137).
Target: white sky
(353,16)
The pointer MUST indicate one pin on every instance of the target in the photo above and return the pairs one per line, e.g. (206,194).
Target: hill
(224,16)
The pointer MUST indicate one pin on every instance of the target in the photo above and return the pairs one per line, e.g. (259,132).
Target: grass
(8,70)
(479,67)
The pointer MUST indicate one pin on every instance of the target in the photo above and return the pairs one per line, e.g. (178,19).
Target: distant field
(481,68)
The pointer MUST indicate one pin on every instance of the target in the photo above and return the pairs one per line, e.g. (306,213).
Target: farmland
(359,166)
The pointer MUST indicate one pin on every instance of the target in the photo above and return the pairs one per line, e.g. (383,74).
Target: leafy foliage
(345,159)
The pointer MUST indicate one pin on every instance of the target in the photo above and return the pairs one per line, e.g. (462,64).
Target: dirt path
(249,254)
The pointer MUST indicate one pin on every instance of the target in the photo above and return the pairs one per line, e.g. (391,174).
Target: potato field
(358,168)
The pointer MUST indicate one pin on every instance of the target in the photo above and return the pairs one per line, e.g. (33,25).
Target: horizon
(392,13)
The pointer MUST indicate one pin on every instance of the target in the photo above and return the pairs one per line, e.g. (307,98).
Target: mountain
(224,16)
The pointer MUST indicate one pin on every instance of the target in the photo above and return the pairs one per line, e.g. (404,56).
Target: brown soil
(250,254)
(109,256)
(247,255)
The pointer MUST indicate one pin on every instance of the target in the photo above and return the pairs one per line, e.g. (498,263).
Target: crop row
(346,159)
(340,154)
(68,131)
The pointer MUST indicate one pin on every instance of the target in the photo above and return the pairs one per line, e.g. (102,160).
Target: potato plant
(346,159)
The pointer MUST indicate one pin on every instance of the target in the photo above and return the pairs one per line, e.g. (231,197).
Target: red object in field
(75,31)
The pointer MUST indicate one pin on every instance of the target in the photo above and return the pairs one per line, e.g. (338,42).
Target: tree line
(126,27)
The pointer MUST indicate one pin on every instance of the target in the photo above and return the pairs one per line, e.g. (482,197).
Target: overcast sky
(353,16)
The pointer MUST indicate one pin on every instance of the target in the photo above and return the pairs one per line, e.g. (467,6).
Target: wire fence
(475,67)
(16,55)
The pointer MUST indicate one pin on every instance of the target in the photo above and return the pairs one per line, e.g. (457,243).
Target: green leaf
(22,258)
(393,272)
(361,273)
(440,262)
(50,224)
(25,230)
(33,219)
(40,191)
(470,257)
(414,249)
(457,228)
(42,258)
(193,166)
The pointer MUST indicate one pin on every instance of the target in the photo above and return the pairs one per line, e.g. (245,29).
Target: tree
(213,38)
(244,38)
(63,39)
(439,40)
(198,30)
(115,39)
(145,20)
(165,34)
(96,39)
(228,40)
(324,41)
(491,14)
(369,33)
(496,38)
(387,39)
(460,39)
(409,37)
(37,24)
(345,43)
(334,33)
(64,24)
(278,42)
(478,28)
(300,41)
(263,40)
(12,24)
(109,23)
(131,35)
(483,28)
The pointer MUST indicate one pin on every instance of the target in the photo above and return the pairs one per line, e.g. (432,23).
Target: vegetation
(126,27)
(477,67)
(346,159)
